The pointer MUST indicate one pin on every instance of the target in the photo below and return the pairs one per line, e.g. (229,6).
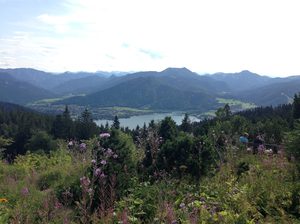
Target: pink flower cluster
(25,191)
(82,147)
(104,135)
(85,182)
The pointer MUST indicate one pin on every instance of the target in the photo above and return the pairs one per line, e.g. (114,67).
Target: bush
(41,141)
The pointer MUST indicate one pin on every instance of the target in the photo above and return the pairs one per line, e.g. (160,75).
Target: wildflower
(82,147)
(70,143)
(57,205)
(182,205)
(104,135)
(103,162)
(90,191)
(93,161)
(109,152)
(115,156)
(85,182)
(3,200)
(97,172)
(261,148)
(25,191)
(102,175)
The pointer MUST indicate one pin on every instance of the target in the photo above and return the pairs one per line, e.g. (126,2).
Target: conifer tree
(186,123)
(296,106)
(86,128)
(116,123)
(168,129)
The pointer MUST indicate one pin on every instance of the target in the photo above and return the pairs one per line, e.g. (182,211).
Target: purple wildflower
(102,175)
(261,148)
(109,151)
(85,182)
(182,205)
(115,156)
(57,205)
(97,172)
(93,161)
(103,162)
(104,135)
(82,146)
(24,191)
(90,191)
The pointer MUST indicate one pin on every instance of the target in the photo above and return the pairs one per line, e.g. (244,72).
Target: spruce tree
(296,106)
(116,123)
(186,123)
(168,130)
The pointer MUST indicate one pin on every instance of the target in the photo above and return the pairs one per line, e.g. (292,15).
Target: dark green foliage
(85,128)
(18,124)
(168,129)
(63,126)
(296,106)
(116,123)
(293,142)
(186,125)
(180,155)
(126,162)
(46,180)
(41,141)
(242,168)
(295,206)
(223,113)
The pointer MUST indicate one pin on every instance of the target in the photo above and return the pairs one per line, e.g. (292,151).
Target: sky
(206,36)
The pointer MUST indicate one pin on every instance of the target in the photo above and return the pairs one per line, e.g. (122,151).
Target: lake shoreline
(132,121)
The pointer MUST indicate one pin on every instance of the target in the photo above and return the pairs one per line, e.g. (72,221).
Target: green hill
(148,93)
(14,91)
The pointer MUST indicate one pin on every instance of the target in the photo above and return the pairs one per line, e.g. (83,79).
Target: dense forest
(58,170)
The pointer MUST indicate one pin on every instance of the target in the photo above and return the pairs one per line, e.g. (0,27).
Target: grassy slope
(262,193)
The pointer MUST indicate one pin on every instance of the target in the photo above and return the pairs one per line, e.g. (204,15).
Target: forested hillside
(66,171)
(146,93)
(15,91)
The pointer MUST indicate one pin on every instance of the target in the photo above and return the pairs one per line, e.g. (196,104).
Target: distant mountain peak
(247,72)
(174,69)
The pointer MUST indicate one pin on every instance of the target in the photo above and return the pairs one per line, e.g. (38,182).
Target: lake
(133,121)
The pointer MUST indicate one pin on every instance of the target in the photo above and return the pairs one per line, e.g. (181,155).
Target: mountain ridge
(244,85)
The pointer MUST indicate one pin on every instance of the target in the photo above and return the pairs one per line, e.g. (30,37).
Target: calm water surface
(133,121)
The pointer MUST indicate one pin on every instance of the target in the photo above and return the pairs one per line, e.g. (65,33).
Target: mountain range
(170,89)
(16,91)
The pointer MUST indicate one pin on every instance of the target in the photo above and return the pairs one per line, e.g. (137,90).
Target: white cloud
(205,36)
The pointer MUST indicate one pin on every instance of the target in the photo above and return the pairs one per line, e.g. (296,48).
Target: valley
(107,95)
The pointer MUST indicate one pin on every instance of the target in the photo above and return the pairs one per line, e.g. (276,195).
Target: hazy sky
(205,36)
